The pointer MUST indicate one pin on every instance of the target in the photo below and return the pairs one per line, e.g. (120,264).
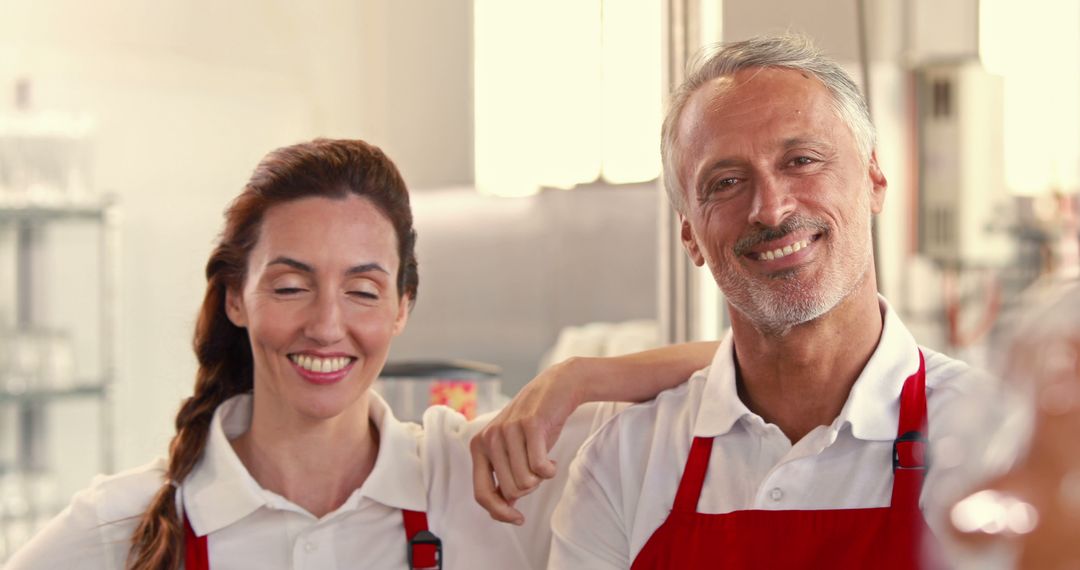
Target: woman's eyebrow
(298,265)
(365,268)
(354,270)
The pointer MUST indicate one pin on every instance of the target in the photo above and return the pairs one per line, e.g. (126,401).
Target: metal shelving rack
(32,403)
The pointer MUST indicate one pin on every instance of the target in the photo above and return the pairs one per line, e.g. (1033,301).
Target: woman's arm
(510,455)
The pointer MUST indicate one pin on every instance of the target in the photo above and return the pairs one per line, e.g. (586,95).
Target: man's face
(779,198)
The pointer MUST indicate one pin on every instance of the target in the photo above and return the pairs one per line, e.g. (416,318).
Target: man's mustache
(788,226)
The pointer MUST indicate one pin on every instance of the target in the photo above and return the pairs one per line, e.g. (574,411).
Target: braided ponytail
(224,371)
(328,168)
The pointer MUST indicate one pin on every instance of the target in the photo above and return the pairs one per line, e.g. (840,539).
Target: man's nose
(326,324)
(772,202)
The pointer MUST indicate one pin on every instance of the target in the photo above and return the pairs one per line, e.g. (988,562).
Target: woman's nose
(326,324)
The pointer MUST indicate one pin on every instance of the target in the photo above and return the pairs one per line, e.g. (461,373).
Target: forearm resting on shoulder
(639,376)
(510,455)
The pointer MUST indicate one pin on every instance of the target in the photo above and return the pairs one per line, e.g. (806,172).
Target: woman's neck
(316,464)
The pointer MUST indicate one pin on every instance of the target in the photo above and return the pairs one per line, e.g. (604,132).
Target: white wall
(188,96)
(500,277)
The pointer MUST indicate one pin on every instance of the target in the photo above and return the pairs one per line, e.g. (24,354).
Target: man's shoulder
(946,373)
(671,413)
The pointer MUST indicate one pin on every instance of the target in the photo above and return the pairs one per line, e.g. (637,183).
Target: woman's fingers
(514,446)
(485,490)
(537,448)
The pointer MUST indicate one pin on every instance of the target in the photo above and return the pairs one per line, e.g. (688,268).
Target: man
(785,450)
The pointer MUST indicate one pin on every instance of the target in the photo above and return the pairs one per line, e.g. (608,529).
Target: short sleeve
(535,535)
(70,540)
(587,525)
(95,530)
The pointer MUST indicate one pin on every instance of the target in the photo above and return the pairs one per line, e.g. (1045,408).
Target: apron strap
(910,457)
(697,463)
(424,548)
(195,555)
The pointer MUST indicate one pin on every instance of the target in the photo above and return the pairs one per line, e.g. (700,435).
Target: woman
(284,456)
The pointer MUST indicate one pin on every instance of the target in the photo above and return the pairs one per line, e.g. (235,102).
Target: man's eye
(723,184)
(802,161)
(287,290)
(363,295)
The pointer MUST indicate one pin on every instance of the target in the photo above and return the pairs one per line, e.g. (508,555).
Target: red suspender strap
(686,499)
(910,447)
(424,548)
(195,556)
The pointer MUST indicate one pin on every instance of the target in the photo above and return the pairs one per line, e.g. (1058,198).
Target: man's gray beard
(775,311)
(774,314)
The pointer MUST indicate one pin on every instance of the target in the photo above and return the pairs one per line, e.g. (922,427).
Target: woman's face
(320,304)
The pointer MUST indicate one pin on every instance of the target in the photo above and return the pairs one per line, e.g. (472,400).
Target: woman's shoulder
(94,531)
(124,494)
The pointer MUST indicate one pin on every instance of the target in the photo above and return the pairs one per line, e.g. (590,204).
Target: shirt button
(776,494)
(309,547)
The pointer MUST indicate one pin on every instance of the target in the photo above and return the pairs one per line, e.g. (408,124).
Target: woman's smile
(322,369)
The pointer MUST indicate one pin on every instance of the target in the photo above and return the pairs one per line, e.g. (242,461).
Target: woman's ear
(403,314)
(234,307)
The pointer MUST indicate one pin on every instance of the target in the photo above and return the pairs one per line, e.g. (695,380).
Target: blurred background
(528,133)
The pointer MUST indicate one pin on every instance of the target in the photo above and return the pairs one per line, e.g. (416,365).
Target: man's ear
(689,241)
(878,184)
(234,307)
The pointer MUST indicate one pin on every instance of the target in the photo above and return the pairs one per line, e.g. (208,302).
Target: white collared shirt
(425,469)
(622,484)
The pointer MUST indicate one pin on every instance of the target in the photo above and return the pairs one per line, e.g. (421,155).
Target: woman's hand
(510,455)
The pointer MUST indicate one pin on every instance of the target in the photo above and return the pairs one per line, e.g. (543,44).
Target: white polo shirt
(622,484)
(425,469)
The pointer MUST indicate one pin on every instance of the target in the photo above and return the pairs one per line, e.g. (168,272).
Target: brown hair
(328,168)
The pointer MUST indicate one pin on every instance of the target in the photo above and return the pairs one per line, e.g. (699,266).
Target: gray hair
(789,51)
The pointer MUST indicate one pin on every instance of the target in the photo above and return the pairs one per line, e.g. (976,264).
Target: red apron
(424,548)
(885,537)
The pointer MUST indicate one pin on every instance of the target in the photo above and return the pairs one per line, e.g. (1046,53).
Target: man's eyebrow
(723,163)
(803,141)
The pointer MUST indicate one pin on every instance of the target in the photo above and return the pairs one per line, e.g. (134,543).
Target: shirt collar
(721,406)
(872,408)
(219,491)
(397,479)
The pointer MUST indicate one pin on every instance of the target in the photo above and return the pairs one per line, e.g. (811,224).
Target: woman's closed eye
(363,289)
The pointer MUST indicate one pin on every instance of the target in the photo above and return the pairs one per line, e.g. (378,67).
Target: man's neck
(801,379)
